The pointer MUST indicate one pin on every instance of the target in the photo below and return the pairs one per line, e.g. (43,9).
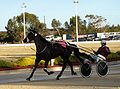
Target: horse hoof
(28,79)
(51,72)
(74,73)
(57,78)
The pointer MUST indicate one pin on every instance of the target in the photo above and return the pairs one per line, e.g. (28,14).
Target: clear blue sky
(60,9)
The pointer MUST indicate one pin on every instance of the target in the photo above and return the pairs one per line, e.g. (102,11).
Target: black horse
(46,50)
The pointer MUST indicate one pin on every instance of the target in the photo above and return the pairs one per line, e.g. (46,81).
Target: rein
(85,50)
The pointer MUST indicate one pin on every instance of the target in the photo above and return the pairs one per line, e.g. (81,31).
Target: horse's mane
(34,30)
(43,39)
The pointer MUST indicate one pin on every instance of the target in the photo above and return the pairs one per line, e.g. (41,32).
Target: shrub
(42,62)
(28,61)
(113,56)
(118,52)
(25,61)
(73,58)
(58,61)
(6,64)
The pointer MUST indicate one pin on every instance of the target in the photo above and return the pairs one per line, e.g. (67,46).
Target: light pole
(76,2)
(24,6)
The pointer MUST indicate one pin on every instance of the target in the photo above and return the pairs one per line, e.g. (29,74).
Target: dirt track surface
(52,87)
(16,79)
(66,83)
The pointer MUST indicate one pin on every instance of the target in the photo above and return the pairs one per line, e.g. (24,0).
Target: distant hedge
(27,61)
(113,56)
(6,64)
(59,60)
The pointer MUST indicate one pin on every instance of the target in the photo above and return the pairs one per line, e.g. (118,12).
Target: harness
(62,43)
(40,51)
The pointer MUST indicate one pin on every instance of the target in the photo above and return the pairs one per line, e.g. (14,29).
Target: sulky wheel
(102,68)
(86,70)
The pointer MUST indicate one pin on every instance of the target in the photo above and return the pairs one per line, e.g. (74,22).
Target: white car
(49,37)
(52,37)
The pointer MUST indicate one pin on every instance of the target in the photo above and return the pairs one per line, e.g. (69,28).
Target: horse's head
(32,33)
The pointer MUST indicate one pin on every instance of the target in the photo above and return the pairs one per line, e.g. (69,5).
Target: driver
(102,51)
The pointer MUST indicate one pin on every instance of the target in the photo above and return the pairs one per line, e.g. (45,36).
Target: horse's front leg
(35,66)
(46,68)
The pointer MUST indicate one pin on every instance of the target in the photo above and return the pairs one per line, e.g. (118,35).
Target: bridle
(40,51)
(35,34)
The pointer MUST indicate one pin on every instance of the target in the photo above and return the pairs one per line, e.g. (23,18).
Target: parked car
(52,37)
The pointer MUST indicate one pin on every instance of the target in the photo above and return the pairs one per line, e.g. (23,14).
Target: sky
(61,10)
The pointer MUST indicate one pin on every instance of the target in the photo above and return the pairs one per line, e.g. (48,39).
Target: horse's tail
(76,52)
(80,55)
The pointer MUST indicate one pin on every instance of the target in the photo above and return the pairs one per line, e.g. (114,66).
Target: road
(16,79)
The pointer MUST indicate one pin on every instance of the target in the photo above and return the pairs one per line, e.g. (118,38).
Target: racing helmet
(103,42)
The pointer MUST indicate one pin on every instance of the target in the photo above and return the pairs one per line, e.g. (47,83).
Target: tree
(3,35)
(66,24)
(83,29)
(96,22)
(15,26)
(56,25)
(72,26)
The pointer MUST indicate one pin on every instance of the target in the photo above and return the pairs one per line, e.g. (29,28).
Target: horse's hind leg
(63,68)
(46,68)
(35,66)
(71,66)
